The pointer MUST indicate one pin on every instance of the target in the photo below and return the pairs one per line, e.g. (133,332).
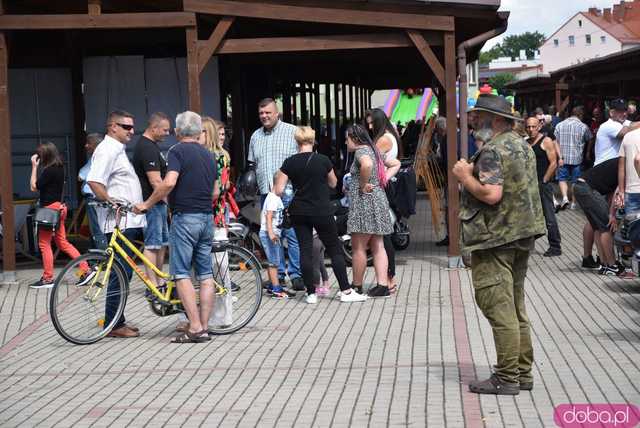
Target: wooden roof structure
(372,43)
(597,80)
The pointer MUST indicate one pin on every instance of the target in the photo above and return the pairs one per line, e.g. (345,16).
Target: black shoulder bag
(49,218)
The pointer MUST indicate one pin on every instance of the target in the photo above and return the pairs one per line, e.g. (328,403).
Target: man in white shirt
(611,133)
(112,178)
(628,179)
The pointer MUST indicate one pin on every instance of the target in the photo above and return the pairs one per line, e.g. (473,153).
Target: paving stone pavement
(402,361)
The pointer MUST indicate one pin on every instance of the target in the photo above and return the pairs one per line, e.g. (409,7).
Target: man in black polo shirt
(151,168)
(593,191)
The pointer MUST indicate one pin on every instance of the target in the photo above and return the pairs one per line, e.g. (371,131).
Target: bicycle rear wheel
(78,305)
(238,271)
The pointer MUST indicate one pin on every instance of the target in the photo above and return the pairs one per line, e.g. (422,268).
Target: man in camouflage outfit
(501,217)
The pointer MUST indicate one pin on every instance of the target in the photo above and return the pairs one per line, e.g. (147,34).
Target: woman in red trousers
(49,184)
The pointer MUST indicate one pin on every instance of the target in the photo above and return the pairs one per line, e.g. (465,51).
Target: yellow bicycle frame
(115,247)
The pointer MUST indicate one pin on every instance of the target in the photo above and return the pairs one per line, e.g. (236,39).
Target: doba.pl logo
(596,415)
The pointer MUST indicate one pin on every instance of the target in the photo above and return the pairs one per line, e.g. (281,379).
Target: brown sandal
(188,337)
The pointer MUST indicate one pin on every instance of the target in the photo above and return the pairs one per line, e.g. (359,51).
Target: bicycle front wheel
(238,271)
(84,308)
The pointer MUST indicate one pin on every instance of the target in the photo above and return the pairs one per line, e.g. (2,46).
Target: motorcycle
(627,239)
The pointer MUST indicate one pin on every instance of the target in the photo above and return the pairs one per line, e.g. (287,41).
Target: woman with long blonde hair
(214,144)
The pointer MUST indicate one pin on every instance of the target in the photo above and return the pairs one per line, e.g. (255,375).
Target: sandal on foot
(393,289)
(188,337)
(204,335)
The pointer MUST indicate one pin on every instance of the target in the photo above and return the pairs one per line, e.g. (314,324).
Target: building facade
(592,34)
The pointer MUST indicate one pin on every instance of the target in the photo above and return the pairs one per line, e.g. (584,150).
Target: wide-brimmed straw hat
(495,104)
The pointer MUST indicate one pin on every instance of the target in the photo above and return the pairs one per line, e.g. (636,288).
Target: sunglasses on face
(125,126)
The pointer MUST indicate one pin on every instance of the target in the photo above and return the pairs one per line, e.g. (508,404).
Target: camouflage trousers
(498,281)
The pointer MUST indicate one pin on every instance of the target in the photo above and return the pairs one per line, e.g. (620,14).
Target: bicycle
(78,300)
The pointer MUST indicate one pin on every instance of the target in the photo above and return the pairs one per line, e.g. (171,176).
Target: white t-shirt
(272,203)
(629,148)
(110,166)
(607,141)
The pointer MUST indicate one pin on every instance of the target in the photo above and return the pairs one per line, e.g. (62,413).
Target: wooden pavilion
(291,48)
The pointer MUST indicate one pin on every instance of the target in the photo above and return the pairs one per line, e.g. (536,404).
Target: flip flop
(188,337)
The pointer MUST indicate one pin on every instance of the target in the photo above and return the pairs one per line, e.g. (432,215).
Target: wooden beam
(563,105)
(193,70)
(453,201)
(94,7)
(323,15)
(427,53)
(104,21)
(317,43)
(208,48)
(6,176)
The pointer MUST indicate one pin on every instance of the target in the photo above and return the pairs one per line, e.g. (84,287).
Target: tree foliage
(511,46)
(500,80)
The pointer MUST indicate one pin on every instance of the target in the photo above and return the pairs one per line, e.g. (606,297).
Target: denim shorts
(190,242)
(594,205)
(271,250)
(631,202)
(569,173)
(156,233)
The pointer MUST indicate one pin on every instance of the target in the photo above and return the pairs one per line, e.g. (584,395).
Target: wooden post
(317,120)
(337,124)
(192,69)
(238,155)
(352,103)
(303,104)
(94,7)
(452,144)
(286,101)
(294,104)
(6,181)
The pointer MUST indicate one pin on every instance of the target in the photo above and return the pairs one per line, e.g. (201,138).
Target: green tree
(530,42)
(511,46)
(500,80)
(487,56)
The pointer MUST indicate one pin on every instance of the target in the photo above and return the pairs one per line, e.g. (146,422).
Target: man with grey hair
(190,183)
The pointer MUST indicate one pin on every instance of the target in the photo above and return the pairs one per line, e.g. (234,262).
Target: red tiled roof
(623,22)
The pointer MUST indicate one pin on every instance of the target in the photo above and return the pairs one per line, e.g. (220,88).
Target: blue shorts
(271,250)
(631,202)
(156,234)
(569,173)
(190,242)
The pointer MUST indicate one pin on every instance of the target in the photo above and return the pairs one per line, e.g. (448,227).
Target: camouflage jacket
(519,213)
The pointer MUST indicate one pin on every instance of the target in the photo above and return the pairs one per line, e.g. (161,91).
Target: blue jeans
(156,234)
(98,238)
(271,249)
(293,248)
(113,296)
(190,242)
(631,202)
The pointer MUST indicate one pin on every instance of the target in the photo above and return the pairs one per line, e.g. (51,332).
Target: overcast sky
(545,16)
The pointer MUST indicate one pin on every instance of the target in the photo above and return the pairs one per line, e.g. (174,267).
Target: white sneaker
(352,297)
(573,206)
(311,299)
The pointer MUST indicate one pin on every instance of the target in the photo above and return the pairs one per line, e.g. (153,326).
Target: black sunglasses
(125,126)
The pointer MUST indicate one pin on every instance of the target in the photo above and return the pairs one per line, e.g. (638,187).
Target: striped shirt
(268,149)
(572,135)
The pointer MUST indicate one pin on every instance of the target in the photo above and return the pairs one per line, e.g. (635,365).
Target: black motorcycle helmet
(247,184)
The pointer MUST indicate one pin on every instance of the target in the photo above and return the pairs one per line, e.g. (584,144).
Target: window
(572,40)
(580,23)
(471,72)
(603,39)
(556,43)
(588,38)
